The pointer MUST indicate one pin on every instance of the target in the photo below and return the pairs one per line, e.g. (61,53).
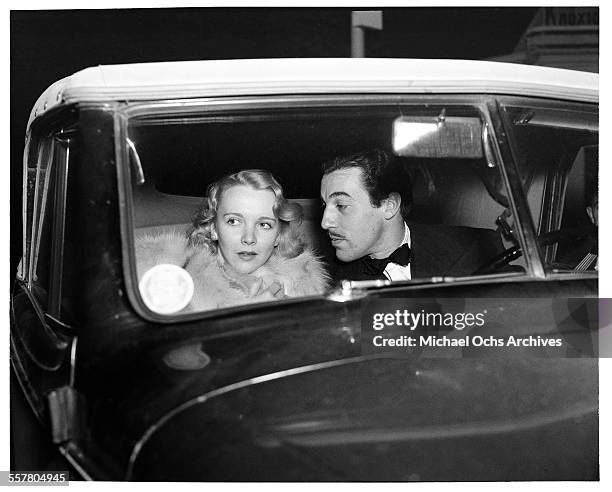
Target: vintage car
(295,389)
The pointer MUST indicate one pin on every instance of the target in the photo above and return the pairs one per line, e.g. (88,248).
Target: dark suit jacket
(437,250)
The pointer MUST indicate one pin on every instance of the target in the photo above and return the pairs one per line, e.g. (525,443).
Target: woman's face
(246,227)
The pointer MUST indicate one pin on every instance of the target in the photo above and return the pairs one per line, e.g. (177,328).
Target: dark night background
(49,45)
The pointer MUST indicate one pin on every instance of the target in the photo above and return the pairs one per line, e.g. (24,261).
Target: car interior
(175,157)
(446,191)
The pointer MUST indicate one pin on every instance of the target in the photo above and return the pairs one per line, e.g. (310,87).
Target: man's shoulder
(451,250)
(456,233)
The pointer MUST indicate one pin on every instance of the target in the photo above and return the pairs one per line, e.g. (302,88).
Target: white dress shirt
(393,271)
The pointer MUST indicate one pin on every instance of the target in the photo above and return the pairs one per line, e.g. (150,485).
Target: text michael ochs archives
(412,329)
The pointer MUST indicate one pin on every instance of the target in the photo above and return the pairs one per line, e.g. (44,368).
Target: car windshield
(177,152)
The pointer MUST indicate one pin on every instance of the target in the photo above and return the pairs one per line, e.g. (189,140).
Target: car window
(557,153)
(32,155)
(51,277)
(42,221)
(174,156)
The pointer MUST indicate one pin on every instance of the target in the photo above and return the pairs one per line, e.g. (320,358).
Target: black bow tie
(373,266)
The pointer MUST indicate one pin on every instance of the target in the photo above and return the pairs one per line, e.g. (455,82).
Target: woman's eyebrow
(267,218)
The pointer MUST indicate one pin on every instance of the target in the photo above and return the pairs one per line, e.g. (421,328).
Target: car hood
(379,418)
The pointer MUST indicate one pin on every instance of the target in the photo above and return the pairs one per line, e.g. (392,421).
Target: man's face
(354,225)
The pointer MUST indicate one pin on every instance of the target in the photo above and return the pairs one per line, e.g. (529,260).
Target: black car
(300,389)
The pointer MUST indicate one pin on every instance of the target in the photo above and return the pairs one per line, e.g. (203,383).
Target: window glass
(456,194)
(29,190)
(556,149)
(53,251)
(42,221)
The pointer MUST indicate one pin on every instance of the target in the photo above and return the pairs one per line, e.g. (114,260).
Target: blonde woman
(244,246)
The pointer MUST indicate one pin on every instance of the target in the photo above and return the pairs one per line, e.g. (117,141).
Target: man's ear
(392,205)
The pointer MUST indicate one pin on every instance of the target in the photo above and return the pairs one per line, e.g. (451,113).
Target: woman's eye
(341,206)
(265,225)
(232,221)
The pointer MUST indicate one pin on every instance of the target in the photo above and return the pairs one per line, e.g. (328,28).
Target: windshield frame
(189,107)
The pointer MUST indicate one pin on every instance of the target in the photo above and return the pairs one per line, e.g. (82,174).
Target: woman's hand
(274,290)
(255,286)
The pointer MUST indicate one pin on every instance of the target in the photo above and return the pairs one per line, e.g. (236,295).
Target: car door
(42,332)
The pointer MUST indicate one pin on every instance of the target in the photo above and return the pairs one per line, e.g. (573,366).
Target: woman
(244,246)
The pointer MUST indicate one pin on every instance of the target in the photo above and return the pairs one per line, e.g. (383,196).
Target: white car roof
(213,78)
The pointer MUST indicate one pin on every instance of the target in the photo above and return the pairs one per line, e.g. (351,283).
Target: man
(367,197)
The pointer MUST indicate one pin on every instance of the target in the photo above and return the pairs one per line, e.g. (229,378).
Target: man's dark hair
(381,174)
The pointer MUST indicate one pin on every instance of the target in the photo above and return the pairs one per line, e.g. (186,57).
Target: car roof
(214,78)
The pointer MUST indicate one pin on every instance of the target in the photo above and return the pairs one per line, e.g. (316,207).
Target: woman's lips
(247,255)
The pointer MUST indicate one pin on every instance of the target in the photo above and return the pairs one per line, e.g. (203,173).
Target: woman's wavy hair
(288,214)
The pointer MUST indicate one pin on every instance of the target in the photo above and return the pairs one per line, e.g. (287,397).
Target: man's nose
(327,220)
(248,236)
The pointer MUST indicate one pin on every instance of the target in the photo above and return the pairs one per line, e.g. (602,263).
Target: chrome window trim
(61,156)
(40,203)
(517,198)
(24,264)
(258,103)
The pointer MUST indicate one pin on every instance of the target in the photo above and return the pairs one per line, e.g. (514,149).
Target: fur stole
(216,285)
